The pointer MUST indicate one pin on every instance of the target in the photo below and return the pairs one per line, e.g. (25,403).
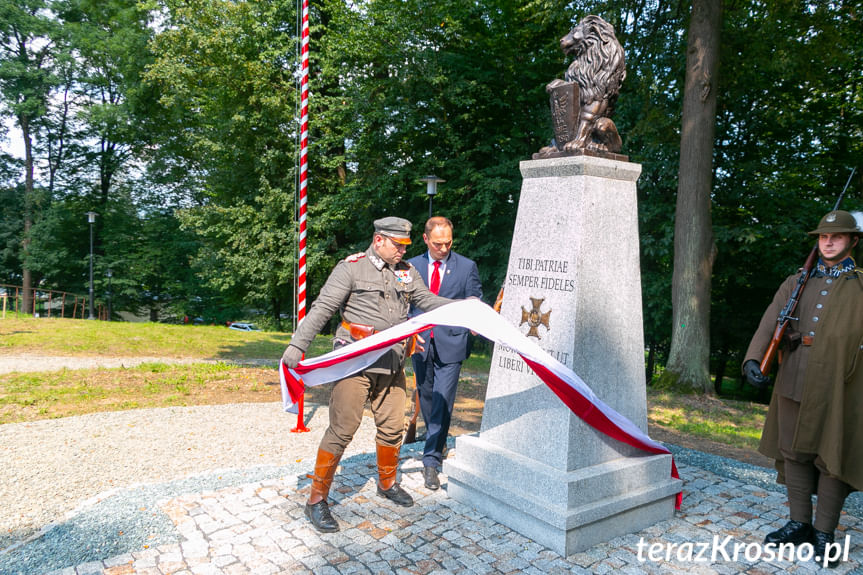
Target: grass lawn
(732,422)
(70,337)
(44,395)
(52,394)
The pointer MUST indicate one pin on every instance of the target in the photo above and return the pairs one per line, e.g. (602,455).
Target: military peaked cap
(398,229)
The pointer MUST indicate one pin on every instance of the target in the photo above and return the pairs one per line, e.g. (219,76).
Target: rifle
(787,312)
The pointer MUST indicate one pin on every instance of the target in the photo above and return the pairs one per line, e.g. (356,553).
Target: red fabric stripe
(594,417)
(586,410)
(296,389)
(579,404)
(301,369)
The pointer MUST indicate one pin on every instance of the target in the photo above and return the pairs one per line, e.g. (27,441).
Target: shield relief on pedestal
(565,108)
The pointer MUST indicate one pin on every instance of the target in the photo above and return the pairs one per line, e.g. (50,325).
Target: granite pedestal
(573,285)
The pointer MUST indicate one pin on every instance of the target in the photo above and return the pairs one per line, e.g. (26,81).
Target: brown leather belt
(807,339)
(358,330)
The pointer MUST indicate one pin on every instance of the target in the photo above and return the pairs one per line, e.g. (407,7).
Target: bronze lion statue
(598,69)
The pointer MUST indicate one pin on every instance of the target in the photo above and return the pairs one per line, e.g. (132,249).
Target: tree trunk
(720,370)
(26,276)
(651,363)
(277,311)
(694,251)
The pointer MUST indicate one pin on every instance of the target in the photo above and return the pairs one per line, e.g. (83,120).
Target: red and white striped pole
(304,168)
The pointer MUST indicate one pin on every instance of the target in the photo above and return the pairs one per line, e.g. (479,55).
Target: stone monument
(573,284)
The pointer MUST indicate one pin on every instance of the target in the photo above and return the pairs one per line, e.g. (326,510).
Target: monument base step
(567,511)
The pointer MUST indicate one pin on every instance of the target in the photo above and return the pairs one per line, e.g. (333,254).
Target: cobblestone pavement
(260,528)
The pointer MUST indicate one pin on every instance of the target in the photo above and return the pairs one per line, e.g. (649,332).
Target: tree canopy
(177,122)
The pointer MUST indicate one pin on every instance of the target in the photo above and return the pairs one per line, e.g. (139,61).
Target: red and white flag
(482,319)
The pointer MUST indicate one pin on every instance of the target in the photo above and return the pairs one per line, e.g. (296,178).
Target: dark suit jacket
(460,280)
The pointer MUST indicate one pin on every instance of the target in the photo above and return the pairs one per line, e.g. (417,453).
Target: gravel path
(98,477)
(52,468)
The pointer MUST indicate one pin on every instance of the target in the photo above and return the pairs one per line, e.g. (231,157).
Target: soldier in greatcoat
(814,428)
(373,290)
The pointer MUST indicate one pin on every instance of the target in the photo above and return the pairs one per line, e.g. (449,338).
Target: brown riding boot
(317,509)
(388,461)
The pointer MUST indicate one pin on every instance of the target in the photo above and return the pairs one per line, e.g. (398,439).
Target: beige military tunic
(824,378)
(368,291)
(810,312)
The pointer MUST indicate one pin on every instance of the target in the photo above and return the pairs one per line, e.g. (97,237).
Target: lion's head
(599,66)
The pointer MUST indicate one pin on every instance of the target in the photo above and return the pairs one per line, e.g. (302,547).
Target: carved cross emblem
(535,318)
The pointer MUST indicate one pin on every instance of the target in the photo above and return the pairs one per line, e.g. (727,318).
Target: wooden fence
(47,303)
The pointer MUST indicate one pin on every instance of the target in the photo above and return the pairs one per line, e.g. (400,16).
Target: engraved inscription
(509,359)
(529,270)
(565,110)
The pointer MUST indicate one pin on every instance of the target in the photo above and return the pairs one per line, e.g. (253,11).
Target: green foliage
(454,89)
(27,53)
(60,245)
(177,122)
(103,98)
(647,117)
(222,69)
(788,133)
(11,229)
(30,49)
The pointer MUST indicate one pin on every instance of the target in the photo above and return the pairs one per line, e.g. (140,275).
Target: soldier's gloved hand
(752,372)
(292,356)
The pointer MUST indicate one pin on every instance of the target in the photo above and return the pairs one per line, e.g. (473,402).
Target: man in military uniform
(813,428)
(373,290)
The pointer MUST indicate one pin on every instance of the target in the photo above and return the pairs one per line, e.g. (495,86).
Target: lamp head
(431,184)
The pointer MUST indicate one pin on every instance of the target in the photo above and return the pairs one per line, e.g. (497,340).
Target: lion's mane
(599,67)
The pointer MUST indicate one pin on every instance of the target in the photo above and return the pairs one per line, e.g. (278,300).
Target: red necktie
(434,286)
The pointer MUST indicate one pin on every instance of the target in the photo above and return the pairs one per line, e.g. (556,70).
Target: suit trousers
(386,396)
(437,383)
(806,475)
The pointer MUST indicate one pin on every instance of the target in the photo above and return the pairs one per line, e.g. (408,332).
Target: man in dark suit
(437,367)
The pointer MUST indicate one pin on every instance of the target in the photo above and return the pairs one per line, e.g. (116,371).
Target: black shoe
(320,516)
(820,540)
(430,475)
(794,532)
(397,495)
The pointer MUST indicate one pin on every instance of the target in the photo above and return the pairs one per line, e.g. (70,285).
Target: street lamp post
(91,219)
(108,274)
(431,189)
